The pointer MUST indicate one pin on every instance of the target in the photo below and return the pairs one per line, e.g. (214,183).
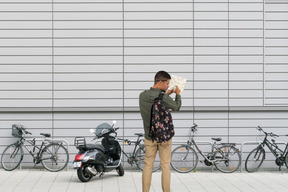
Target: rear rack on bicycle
(79,141)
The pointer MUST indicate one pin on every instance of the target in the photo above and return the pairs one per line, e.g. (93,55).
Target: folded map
(177,81)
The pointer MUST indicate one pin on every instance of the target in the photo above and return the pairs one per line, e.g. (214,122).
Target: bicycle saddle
(216,139)
(139,134)
(46,134)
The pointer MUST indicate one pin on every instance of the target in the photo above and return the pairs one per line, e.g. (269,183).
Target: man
(146,100)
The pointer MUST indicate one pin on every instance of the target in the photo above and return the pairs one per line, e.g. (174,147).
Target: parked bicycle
(224,156)
(256,156)
(51,153)
(137,156)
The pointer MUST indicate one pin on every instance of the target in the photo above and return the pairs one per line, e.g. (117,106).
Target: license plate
(77,164)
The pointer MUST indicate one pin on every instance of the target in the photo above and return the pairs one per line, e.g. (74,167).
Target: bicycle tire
(286,160)
(229,159)
(184,159)
(255,159)
(54,157)
(12,157)
(140,156)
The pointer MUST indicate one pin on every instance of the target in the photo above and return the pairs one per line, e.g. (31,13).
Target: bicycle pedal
(201,161)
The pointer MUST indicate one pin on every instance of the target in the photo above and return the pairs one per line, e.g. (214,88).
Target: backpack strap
(160,96)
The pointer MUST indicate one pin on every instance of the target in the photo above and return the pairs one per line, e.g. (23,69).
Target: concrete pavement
(35,180)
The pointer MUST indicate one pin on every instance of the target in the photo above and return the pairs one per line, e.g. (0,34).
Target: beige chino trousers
(165,159)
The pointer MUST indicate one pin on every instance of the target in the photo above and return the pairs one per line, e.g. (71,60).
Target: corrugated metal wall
(68,65)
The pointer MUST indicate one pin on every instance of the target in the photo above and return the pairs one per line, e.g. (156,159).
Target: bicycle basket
(17,130)
(79,141)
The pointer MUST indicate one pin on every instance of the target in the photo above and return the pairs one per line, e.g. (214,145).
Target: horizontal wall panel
(166,42)
(25,51)
(25,77)
(173,15)
(24,68)
(109,102)
(87,7)
(93,33)
(158,59)
(26,33)
(25,86)
(87,59)
(151,68)
(37,25)
(135,7)
(72,51)
(26,7)
(101,94)
(96,77)
(169,51)
(92,68)
(26,103)
(20,16)
(86,16)
(87,42)
(24,94)
(157,24)
(87,85)
(26,43)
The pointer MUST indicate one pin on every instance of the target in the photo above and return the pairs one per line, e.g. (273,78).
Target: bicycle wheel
(12,157)
(228,159)
(255,159)
(140,156)
(54,157)
(184,159)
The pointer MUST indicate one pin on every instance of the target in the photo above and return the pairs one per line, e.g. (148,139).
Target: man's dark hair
(161,76)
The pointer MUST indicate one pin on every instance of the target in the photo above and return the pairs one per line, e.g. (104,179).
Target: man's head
(162,80)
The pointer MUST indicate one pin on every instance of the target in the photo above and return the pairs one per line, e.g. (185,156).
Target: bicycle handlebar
(193,128)
(28,133)
(268,134)
(129,142)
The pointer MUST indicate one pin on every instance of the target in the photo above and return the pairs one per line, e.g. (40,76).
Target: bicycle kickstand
(280,169)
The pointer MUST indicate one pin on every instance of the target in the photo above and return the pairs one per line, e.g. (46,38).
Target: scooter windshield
(102,128)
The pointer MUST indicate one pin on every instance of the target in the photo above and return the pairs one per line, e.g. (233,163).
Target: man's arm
(170,103)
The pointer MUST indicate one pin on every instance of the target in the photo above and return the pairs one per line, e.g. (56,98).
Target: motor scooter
(96,159)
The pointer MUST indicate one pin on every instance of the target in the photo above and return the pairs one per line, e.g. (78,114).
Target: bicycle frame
(276,151)
(137,143)
(191,142)
(32,142)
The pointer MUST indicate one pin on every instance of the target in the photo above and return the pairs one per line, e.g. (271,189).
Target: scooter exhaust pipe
(92,171)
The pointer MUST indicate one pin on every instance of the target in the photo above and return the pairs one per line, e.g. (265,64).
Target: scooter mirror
(114,122)
(92,130)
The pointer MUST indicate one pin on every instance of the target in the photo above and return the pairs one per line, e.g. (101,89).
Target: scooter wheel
(120,170)
(83,175)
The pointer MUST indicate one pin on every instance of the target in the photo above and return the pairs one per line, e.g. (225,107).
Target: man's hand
(169,92)
(177,90)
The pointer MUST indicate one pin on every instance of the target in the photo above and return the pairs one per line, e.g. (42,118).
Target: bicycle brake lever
(28,133)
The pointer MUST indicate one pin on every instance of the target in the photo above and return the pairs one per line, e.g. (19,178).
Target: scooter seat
(92,146)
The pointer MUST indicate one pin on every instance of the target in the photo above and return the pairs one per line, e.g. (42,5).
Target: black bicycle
(51,153)
(138,155)
(257,155)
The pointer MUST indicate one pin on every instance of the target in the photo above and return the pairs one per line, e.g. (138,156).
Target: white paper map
(177,81)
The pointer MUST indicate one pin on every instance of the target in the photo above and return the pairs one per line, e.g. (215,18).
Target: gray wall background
(68,65)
